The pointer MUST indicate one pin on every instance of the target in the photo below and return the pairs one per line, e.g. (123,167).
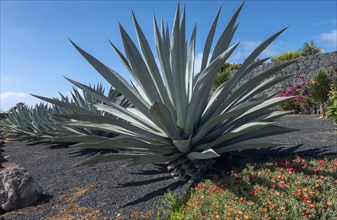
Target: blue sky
(36,53)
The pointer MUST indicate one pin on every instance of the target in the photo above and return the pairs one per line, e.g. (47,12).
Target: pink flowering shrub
(303,102)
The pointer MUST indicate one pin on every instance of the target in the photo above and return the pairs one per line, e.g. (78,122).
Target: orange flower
(271,205)
(306,212)
(247,216)
(298,192)
(312,205)
(264,210)
(328,203)
(318,185)
(321,176)
(307,200)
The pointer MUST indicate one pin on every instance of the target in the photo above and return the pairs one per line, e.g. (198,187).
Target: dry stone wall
(303,68)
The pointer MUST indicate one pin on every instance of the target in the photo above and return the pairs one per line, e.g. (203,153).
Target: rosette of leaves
(39,123)
(176,119)
(332,106)
(223,74)
(319,88)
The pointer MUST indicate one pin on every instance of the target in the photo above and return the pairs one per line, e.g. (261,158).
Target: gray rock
(18,189)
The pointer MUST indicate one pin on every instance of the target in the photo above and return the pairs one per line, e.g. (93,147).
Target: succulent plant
(176,119)
(39,123)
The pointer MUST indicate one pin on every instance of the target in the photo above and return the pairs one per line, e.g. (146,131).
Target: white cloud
(329,38)
(9,99)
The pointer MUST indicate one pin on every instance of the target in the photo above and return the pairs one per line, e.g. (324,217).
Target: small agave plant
(177,118)
(39,123)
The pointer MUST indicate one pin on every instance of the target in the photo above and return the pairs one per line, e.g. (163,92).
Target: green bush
(224,73)
(288,55)
(320,88)
(310,49)
(332,106)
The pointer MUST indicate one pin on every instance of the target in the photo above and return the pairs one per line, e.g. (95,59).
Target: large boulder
(18,189)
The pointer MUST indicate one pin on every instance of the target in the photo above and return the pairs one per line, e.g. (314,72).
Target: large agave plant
(176,118)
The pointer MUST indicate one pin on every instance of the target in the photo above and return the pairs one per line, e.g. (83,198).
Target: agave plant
(175,118)
(38,122)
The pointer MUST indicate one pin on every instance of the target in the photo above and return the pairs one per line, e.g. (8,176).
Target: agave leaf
(80,138)
(134,117)
(217,105)
(182,145)
(99,119)
(148,159)
(141,92)
(268,104)
(204,155)
(92,92)
(201,91)
(248,116)
(251,84)
(127,143)
(240,74)
(122,57)
(144,118)
(264,132)
(69,106)
(176,60)
(221,118)
(273,115)
(263,86)
(209,40)
(161,114)
(227,35)
(190,67)
(163,55)
(139,68)
(239,131)
(152,66)
(249,144)
(115,79)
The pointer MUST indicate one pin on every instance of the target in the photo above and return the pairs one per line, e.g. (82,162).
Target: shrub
(288,55)
(224,73)
(303,103)
(320,87)
(332,106)
(310,49)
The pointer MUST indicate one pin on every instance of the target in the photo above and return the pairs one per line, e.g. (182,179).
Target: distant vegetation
(307,50)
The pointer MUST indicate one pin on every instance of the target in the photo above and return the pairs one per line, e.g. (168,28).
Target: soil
(114,191)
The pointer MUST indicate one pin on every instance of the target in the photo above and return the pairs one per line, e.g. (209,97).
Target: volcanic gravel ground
(114,191)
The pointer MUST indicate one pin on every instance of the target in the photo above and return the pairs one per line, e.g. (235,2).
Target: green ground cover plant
(287,188)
